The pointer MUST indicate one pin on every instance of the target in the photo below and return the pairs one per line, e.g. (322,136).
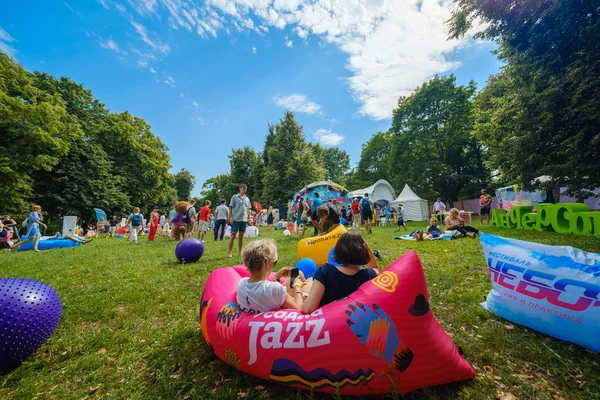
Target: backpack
(187,217)
(136,220)
(365,204)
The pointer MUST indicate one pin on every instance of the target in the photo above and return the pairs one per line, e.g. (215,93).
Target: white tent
(380,190)
(415,208)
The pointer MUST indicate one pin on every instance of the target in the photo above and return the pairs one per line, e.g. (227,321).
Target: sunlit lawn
(130,325)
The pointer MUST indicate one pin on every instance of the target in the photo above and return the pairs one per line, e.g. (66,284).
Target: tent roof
(371,189)
(407,195)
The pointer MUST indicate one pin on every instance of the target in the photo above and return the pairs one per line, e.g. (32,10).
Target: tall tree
(35,132)
(432,146)
(83,177)
(217,188)
(291,163)
(184,183)
(374,163)
(335,161)
(548,90)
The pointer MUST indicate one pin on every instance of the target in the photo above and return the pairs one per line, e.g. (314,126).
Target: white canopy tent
(380,191)
(415,208)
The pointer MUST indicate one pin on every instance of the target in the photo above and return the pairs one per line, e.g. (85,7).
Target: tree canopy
(62,148)
(539,115)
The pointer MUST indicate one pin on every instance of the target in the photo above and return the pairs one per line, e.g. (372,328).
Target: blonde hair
(433,219)
(35,207)
(257,252)
(136,210)
(454,212)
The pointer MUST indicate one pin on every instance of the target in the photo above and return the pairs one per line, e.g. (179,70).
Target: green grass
(130,325)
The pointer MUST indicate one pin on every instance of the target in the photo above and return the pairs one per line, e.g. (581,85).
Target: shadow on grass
(188,368)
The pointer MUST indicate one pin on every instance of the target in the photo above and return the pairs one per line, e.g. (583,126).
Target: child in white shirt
(257,294)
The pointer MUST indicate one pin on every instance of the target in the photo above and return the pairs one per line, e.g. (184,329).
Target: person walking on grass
(367,210)
(33,228)
(239,214)
(154,220)
(222,215)
(136,224)
(203,219)
(485,202)
(355,207)
(400,217)
(113,226)
(190,218)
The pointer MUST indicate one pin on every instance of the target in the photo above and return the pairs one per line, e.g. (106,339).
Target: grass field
(130,325)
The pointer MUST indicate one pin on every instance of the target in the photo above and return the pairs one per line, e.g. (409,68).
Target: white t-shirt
(222,211)
(257,297)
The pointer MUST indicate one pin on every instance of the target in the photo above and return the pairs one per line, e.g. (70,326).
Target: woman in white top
(257,293)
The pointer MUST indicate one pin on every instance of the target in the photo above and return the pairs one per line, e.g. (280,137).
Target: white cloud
(4,39)
(152,70)
(254,50)
(302,33)
(195,103)
(328,138)
(112,45)
(182,95)
(392,46)
(142,64)
(170,81)
(121,8)
(289,43)
(144,7)
(104,3)
(155,44)
(297,102)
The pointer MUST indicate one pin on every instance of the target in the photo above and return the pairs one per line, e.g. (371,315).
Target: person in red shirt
(203,220)
(355,214)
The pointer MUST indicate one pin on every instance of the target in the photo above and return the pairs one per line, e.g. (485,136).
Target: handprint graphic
(377,332)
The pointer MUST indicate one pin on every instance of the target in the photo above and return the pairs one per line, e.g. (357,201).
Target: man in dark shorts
(485,202)
(239,215)
(366,210)
(328,219)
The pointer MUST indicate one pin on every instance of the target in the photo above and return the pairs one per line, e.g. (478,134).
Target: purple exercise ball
(29,314)
(189,250)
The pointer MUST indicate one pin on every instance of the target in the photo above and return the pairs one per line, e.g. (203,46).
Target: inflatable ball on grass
(29,314)
(189,250)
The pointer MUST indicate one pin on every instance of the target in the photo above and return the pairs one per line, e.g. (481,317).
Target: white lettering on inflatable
(317,313)
(291,316)
(268,314)
(314,340)
(280,314)
(295,337)
(272,340)
(290,342)
(254,327)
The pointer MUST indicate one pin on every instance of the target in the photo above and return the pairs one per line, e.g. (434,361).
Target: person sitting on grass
(73,238)
(455,223)
(331,282)
(257,293)
(328,219)
(433,231)
(4,237)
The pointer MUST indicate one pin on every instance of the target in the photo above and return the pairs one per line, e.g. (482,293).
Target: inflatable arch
(318,247)
(381,339)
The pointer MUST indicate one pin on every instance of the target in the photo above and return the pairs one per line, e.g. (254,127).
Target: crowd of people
(184,220)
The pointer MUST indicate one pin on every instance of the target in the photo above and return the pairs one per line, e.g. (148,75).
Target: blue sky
(210,75)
